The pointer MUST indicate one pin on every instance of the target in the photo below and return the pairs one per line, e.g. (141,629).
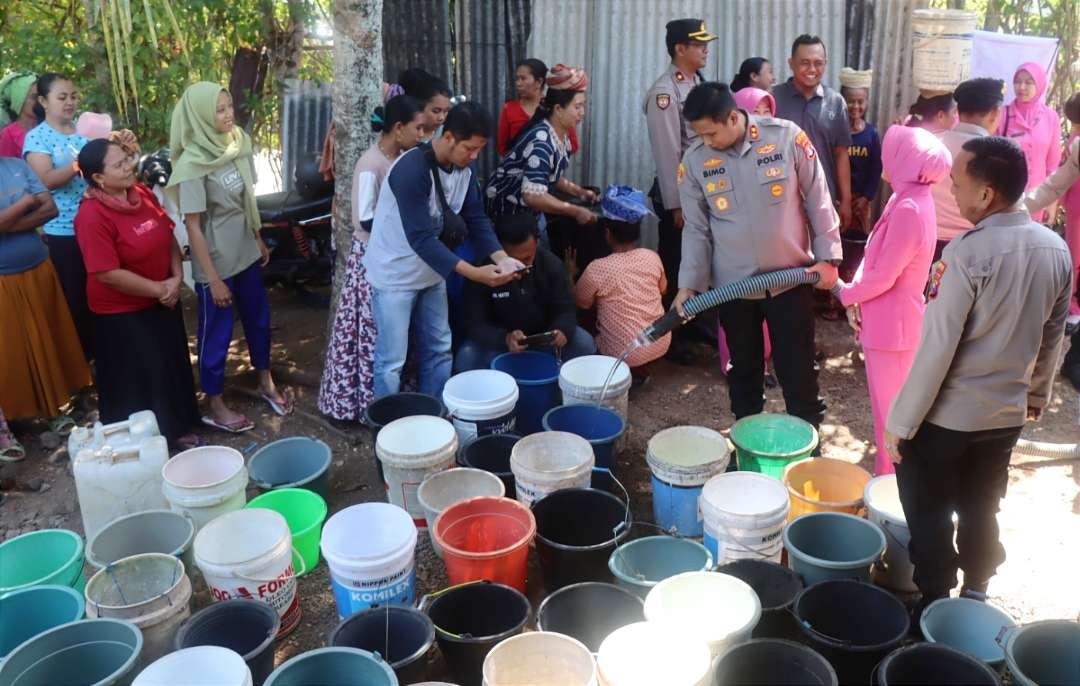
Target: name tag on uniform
(500,295)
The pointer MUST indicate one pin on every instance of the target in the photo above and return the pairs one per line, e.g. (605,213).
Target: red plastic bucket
(486,538)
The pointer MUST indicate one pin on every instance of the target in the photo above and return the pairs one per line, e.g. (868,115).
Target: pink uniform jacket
(1035,127)
(890,281)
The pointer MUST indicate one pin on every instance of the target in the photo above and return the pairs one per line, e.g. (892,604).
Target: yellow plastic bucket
(822,484)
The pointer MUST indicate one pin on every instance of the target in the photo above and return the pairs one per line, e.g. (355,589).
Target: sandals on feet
(238,427)
(280,409)
(13,452)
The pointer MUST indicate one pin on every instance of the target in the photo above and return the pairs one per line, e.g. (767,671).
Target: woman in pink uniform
(1034,125)
(885,300)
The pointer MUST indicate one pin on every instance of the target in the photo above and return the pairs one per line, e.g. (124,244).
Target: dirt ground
(1040,516)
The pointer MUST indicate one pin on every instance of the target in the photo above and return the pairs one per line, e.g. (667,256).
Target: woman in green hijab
(18,95)
(213,179)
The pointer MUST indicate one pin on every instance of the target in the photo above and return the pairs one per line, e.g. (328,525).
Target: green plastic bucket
(304,511)
(101,652)
(49,556)
(32,611)
(767,443)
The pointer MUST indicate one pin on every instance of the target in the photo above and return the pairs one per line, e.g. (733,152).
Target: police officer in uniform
(755,199)
(993,332)
(688,44)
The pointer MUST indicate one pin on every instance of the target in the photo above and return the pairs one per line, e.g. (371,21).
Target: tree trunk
(356,91)
(993,15)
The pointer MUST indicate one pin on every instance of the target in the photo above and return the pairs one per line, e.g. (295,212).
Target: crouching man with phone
(535,311)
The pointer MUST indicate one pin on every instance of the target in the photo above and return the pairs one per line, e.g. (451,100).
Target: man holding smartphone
(535,311)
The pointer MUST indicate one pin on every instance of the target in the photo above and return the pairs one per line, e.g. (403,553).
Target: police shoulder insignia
(722,203)
(663,100)
(679,76)
(721,184)
(753,132)
(712,162)
(773,172)
(801,138)
(803,141)
(681,173)
(766,149)
(777,189)
(933,285)
(710,187)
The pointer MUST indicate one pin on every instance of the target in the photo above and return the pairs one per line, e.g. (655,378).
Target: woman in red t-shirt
(530,78)
(133,289)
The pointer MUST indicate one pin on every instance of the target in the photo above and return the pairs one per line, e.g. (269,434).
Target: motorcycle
(295,223)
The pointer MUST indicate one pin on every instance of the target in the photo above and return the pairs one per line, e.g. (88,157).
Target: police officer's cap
(979,95)
(687,31)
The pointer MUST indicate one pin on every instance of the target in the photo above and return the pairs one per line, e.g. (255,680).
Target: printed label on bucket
(280,594)
(407,500)
(471,428)
(353,595)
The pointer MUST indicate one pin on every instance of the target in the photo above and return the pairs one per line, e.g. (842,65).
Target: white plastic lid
(198,666)
(745,494)
(368,532)
(417,437)
(240,536)
(479,391)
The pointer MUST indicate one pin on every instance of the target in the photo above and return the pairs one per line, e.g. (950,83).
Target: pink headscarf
(749,98)
(913,158)
(1025,114)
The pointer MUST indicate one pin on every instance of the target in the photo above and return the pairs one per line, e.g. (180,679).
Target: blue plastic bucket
(1044,653)
(297,462)
(537,377)
(682,459)
(641,564)
(31,611)
(600,426)
(967,625)
(833,545)
(337,666)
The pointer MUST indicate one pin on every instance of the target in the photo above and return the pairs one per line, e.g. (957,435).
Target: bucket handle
(671,533)
(1004,634)
(756,553)
(296,554)
(427,597)
(627,518)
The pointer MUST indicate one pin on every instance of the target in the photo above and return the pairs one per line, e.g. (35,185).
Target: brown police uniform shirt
(759,206)
(669,134)
(993,329)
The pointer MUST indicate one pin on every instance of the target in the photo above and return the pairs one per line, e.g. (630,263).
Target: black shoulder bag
(454,231)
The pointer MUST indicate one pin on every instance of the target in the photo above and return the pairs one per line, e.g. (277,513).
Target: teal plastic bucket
(832,545)
(101,652)
(641,564)
(968,626)
(32,611)
(767,443)
(334,667)
(1044,653)
(39,558)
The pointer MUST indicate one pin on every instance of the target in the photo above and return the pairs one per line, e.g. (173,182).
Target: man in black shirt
(537,301)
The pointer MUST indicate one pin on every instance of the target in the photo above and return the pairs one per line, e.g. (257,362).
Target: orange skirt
(41,361)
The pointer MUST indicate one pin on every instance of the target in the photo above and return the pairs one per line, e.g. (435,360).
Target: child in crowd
(626,286)
(865,149)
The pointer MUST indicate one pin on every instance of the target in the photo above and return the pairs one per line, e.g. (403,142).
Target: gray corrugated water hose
(1056,451)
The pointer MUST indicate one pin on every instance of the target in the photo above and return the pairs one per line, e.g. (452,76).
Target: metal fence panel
(416,33)
(305,119)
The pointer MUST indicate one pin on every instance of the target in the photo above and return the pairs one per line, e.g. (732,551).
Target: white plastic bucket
(744,515)
(151,591)
(481,402)
(687,455)
(941,48)
(715,608)
(442,489)
(205,483)
(882,498)
(411,449)
(199,666)
(249,554)
(648,653)
(540,658)
(581,381)
(549,461)
(370,551)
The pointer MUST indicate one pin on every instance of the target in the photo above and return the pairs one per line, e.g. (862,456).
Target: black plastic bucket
(589,612)
(470,619)
(492,454)
(247,627)
(852,624)
(395,406)
(402,635)
(776,587)
(772,662)
(933,663)
(576,533)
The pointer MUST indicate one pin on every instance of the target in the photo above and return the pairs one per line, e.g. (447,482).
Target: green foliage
(57,35)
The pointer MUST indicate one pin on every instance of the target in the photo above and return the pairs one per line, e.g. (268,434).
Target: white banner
(997,55)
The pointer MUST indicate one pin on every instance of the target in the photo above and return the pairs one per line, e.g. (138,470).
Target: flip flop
(62,425)
(278,408)
(14,452)
(237,427)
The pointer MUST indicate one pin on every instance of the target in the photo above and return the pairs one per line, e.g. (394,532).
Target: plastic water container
(768,442)
(1041,653)
(138,427)
(90,651)
(481,402)
(833,545)
(442,489)
(295,462)
(200,666)
(882,498)
(32,611)
(589,611)
(376,568)
(205,483)
(249,554)
(550,461)
(540,658)
(305,511)
(581,381)
(537,377)
(334,667)
(243,626)
(716,609)
(642,563)
(941,44)
(600,426)
(822,484)
(152,531)
(682,459)
(744,515)
(647,654)
(39,558)
(967,625)
(151,591)
(411,449)
(485,538)
(116,480)
(769,662)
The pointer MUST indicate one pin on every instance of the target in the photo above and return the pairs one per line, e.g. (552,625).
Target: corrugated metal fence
(305,119)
